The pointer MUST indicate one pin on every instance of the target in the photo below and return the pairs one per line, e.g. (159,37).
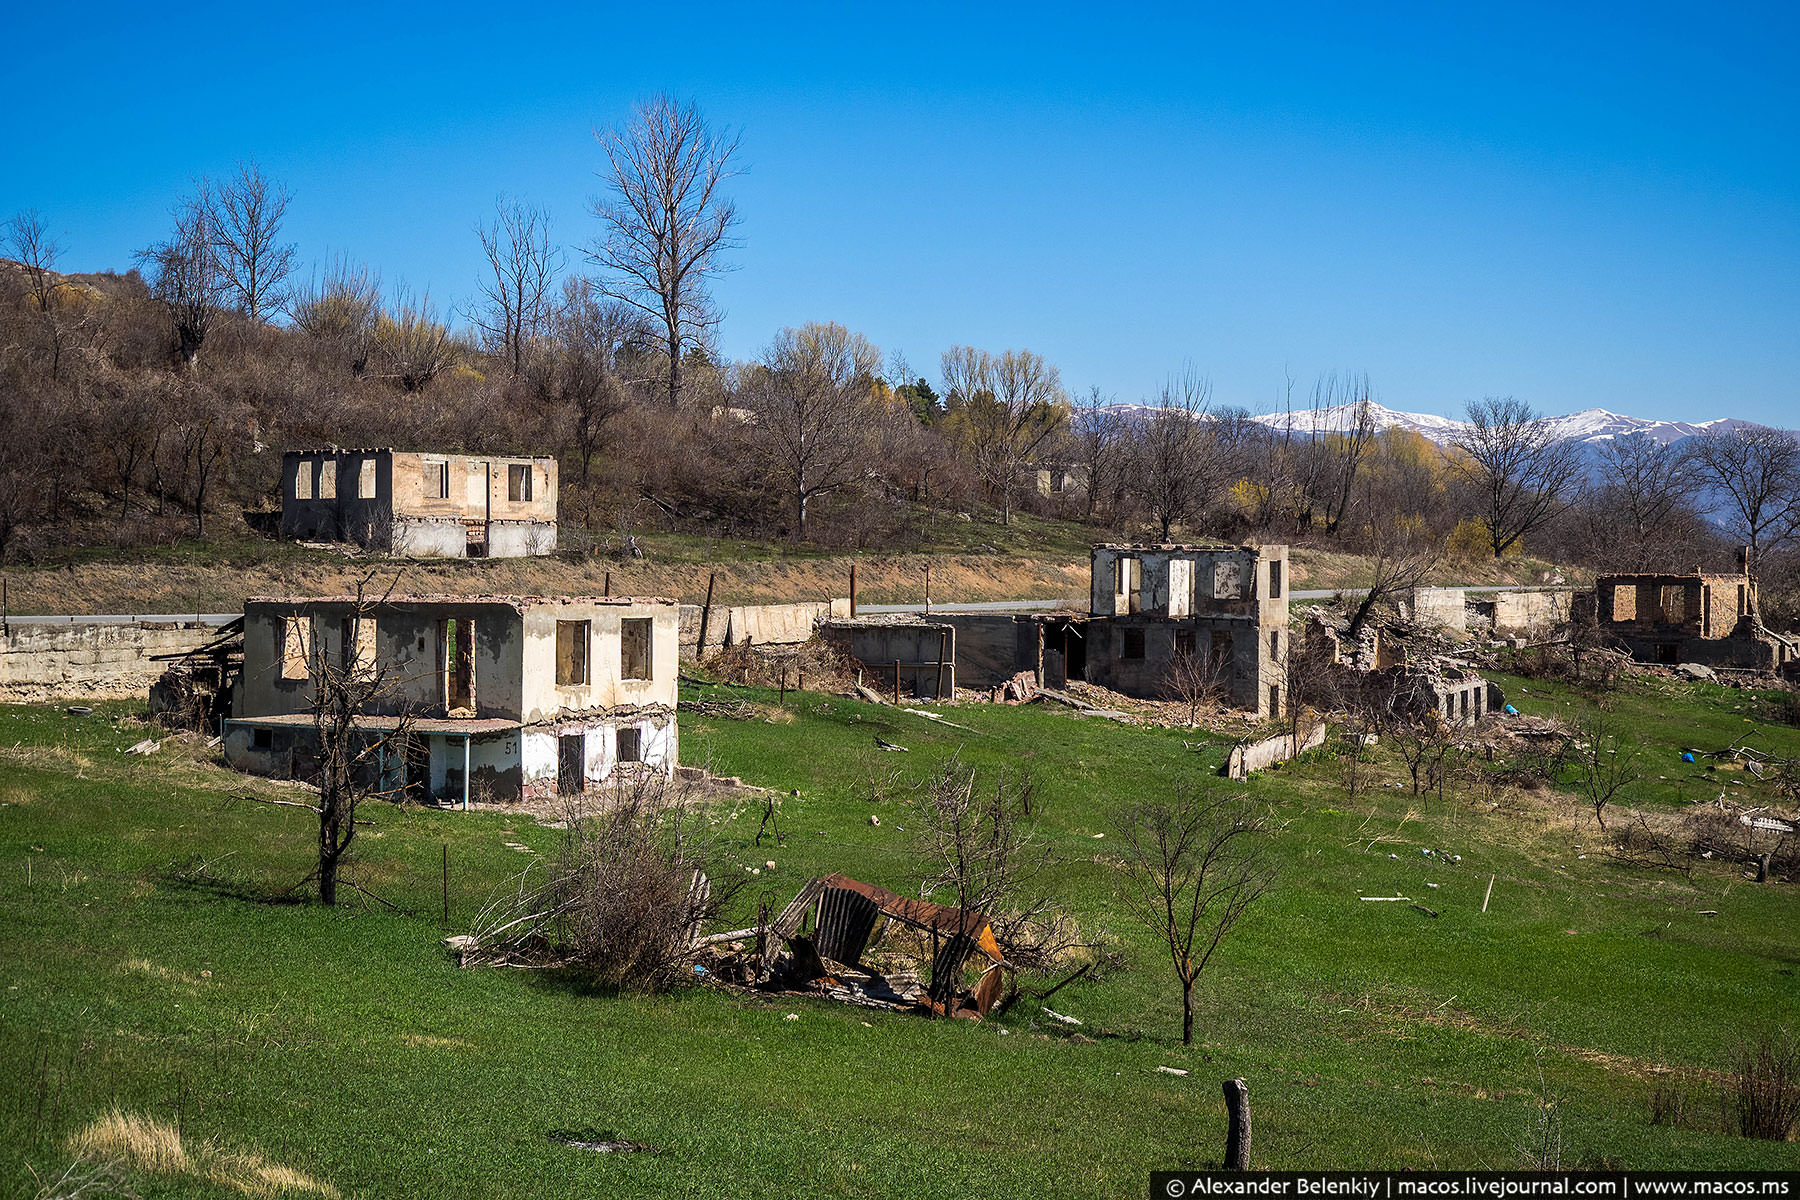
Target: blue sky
(1578,205)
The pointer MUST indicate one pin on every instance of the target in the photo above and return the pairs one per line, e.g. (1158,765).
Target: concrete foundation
(91,661)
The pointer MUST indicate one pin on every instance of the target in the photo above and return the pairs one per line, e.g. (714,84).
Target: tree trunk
(1187,1011)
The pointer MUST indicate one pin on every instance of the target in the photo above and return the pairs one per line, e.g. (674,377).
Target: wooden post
(896,683)
(943,649)
(1237,1136)
(608,592)
(784,683)
(1490,894)
(705,616)
(446,885)
(928,589)
(853,589)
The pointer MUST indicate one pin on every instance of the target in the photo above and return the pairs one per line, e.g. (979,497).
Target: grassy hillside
(156,962)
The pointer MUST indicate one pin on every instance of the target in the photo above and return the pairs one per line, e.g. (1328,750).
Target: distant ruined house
(1697,617)
(504,697)
(421,505)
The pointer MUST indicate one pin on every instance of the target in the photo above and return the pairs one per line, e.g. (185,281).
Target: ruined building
(421,505)
(505,697)
(1690,618)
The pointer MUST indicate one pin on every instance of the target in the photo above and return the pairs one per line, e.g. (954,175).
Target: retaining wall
(91,660)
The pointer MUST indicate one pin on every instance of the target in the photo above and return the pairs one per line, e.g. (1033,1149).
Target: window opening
(634,649)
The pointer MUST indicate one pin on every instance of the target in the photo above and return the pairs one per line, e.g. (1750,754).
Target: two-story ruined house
(503,697)
(1224,605)
(421,505)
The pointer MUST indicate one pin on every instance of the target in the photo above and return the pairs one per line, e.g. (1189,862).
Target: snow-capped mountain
(1590,425)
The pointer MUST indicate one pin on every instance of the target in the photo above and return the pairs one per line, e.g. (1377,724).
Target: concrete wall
(1179,581)
(89,660)
(1257,756)
(754,624)
(658,747)
(1530,613)
(915,645)
(990,647)
(1443,606)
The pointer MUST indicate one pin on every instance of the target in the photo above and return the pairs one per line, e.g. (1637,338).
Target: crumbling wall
(922,653)
(91,660)
(754,624)
(1445,606)
(1530,613)
(991,647)
(1257,756)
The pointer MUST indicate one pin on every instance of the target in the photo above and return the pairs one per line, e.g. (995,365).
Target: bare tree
(356,762)
(667,224)
(1604,764)
(1193,865)
(1198,678)
(1757,469)
(1178,464)
(1401,564)
(30,243)
(247,212)
(810,395)
(339,308)
(1100,445)
(1004,407)
(187,273)
(1520,470)
(1342,431)
(579,374)
(517,301)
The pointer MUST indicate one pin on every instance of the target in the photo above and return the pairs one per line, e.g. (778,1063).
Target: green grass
(347,1044)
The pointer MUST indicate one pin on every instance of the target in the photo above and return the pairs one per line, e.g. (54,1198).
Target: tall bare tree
(1003,408)
(338,308)
(1179,464)
(810,395)
(187,273)
(1100,446)
(1522,473)
(30,243)
(1757,470)
(667,224)
(247,212)
(517,297)
(1193,865)
(1341,425)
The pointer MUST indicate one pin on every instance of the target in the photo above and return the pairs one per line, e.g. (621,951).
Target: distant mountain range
(1590,426)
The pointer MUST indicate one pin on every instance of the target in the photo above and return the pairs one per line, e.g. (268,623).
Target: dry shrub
(1765,1088)
(1669,1104)
(822,666)
(149,1145)
(627,890)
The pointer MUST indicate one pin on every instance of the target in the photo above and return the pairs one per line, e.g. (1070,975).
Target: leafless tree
(1757,469)
(1521,472)
(1341,429)
(1100,446)
(30,243)
(667,224)
(1401,564)
(1604,764)
(1178,464)
(1198,678)
(356,762)
(517,298)
(411,346)
(1193,865)
(187,273)
(579,374)
(339,309)
(247,212)
(1003,408)
(810,395)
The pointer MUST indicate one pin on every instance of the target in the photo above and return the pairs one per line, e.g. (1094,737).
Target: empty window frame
(1228,581)
(328,479)
(303,480)
(1275,644)
(635,660)
(518,482)
(1127,583)
(572,653)
(457,663)
(1275,580)
(262,739)
(357,644)
(1131,643)
(1219,652)
(1184,643)
(365,479)
(631,745)
(296,647)
(437,480)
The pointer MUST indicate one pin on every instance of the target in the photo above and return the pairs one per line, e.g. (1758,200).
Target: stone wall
(90,660)
(756,624)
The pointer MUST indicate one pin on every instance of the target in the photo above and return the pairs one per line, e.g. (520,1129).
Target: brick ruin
(1693,617)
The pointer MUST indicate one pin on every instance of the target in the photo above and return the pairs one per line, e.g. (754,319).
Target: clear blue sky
(1578,205)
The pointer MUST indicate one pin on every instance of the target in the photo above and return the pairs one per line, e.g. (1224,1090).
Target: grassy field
(155,963)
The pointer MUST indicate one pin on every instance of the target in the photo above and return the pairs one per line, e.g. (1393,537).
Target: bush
(1765,1087)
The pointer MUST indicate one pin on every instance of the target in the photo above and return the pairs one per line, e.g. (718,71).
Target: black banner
(1476,1185)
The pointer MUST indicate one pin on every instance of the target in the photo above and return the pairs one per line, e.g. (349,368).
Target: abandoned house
(501,698)
(902,655)
(1219,605)
(1691,618)
(421,505)
(1404,663)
